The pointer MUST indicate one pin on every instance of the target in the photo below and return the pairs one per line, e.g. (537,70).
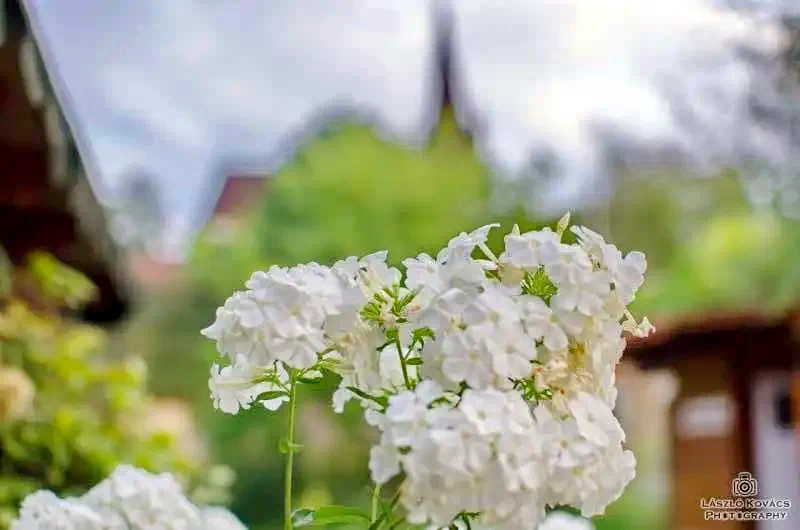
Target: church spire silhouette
(449,85)
(444,51)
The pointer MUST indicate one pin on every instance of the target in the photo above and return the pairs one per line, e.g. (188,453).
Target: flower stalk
(403,364)
(289,473)
(376,497)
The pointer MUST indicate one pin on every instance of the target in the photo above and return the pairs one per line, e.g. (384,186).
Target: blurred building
(151,274)
(46,200)
(229,204)
(642,407)
(238,195)
(734,423)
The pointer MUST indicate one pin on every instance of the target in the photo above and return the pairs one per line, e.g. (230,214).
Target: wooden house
(239,193)
(46,201)
(736,411)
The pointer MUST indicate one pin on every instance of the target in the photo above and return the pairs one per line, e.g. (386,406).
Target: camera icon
(744,485)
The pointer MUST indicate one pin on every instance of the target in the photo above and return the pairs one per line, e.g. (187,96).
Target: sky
(184,88)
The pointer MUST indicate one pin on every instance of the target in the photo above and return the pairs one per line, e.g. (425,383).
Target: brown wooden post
(796,400)
(708,452)
(794,326)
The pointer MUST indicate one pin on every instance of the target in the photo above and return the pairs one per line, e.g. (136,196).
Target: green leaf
(563,223)
(377,523)
(330,515)
(414,361)
(539,284)
(397,523)
(273,394)
(421,333)
(387,516)
(285,446)
(380,400)
(392,334)
(339,515)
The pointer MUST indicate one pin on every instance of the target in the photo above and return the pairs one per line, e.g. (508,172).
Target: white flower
(586,297)
(559,520)
(458,269)
(280,317)
(423,272)
(476,454)
(216,518)
(467,359)
(428,391)
(130,499)
(444,312)
(484,410)
(147,501)
(376,274)
(565,264)
(493,305)
(627,273)
(340,398)
(362,365)
(642,329)
(587,465)
(595,420)
(563,446)
(368,275)
(522,250)
(236,328)
(234,387)
(512,353)
(460,247)
(542,324)
(282,376)
(384,463)
(491,398)
(43,510)
(300,351)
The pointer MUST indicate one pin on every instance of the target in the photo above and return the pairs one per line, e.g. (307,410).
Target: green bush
(68,414)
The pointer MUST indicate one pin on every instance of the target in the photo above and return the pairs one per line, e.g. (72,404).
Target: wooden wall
(707,443)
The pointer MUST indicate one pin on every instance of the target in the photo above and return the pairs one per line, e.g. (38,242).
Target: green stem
(287,499)
(397,523)
(406,380)
(376,497)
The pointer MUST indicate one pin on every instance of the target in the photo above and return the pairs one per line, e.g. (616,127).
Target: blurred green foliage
(707,247)
(68,414)
(349,193)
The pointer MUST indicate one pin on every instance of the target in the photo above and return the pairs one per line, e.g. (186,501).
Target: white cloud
(177,86)
(574,85)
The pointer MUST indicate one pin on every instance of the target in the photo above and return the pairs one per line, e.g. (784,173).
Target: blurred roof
(735,332)
(152,274)
(238,193)
(46,201)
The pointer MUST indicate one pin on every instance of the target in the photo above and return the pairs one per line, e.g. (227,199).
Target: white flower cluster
(130,499)
(491,378)
(559,520)
(486,452)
